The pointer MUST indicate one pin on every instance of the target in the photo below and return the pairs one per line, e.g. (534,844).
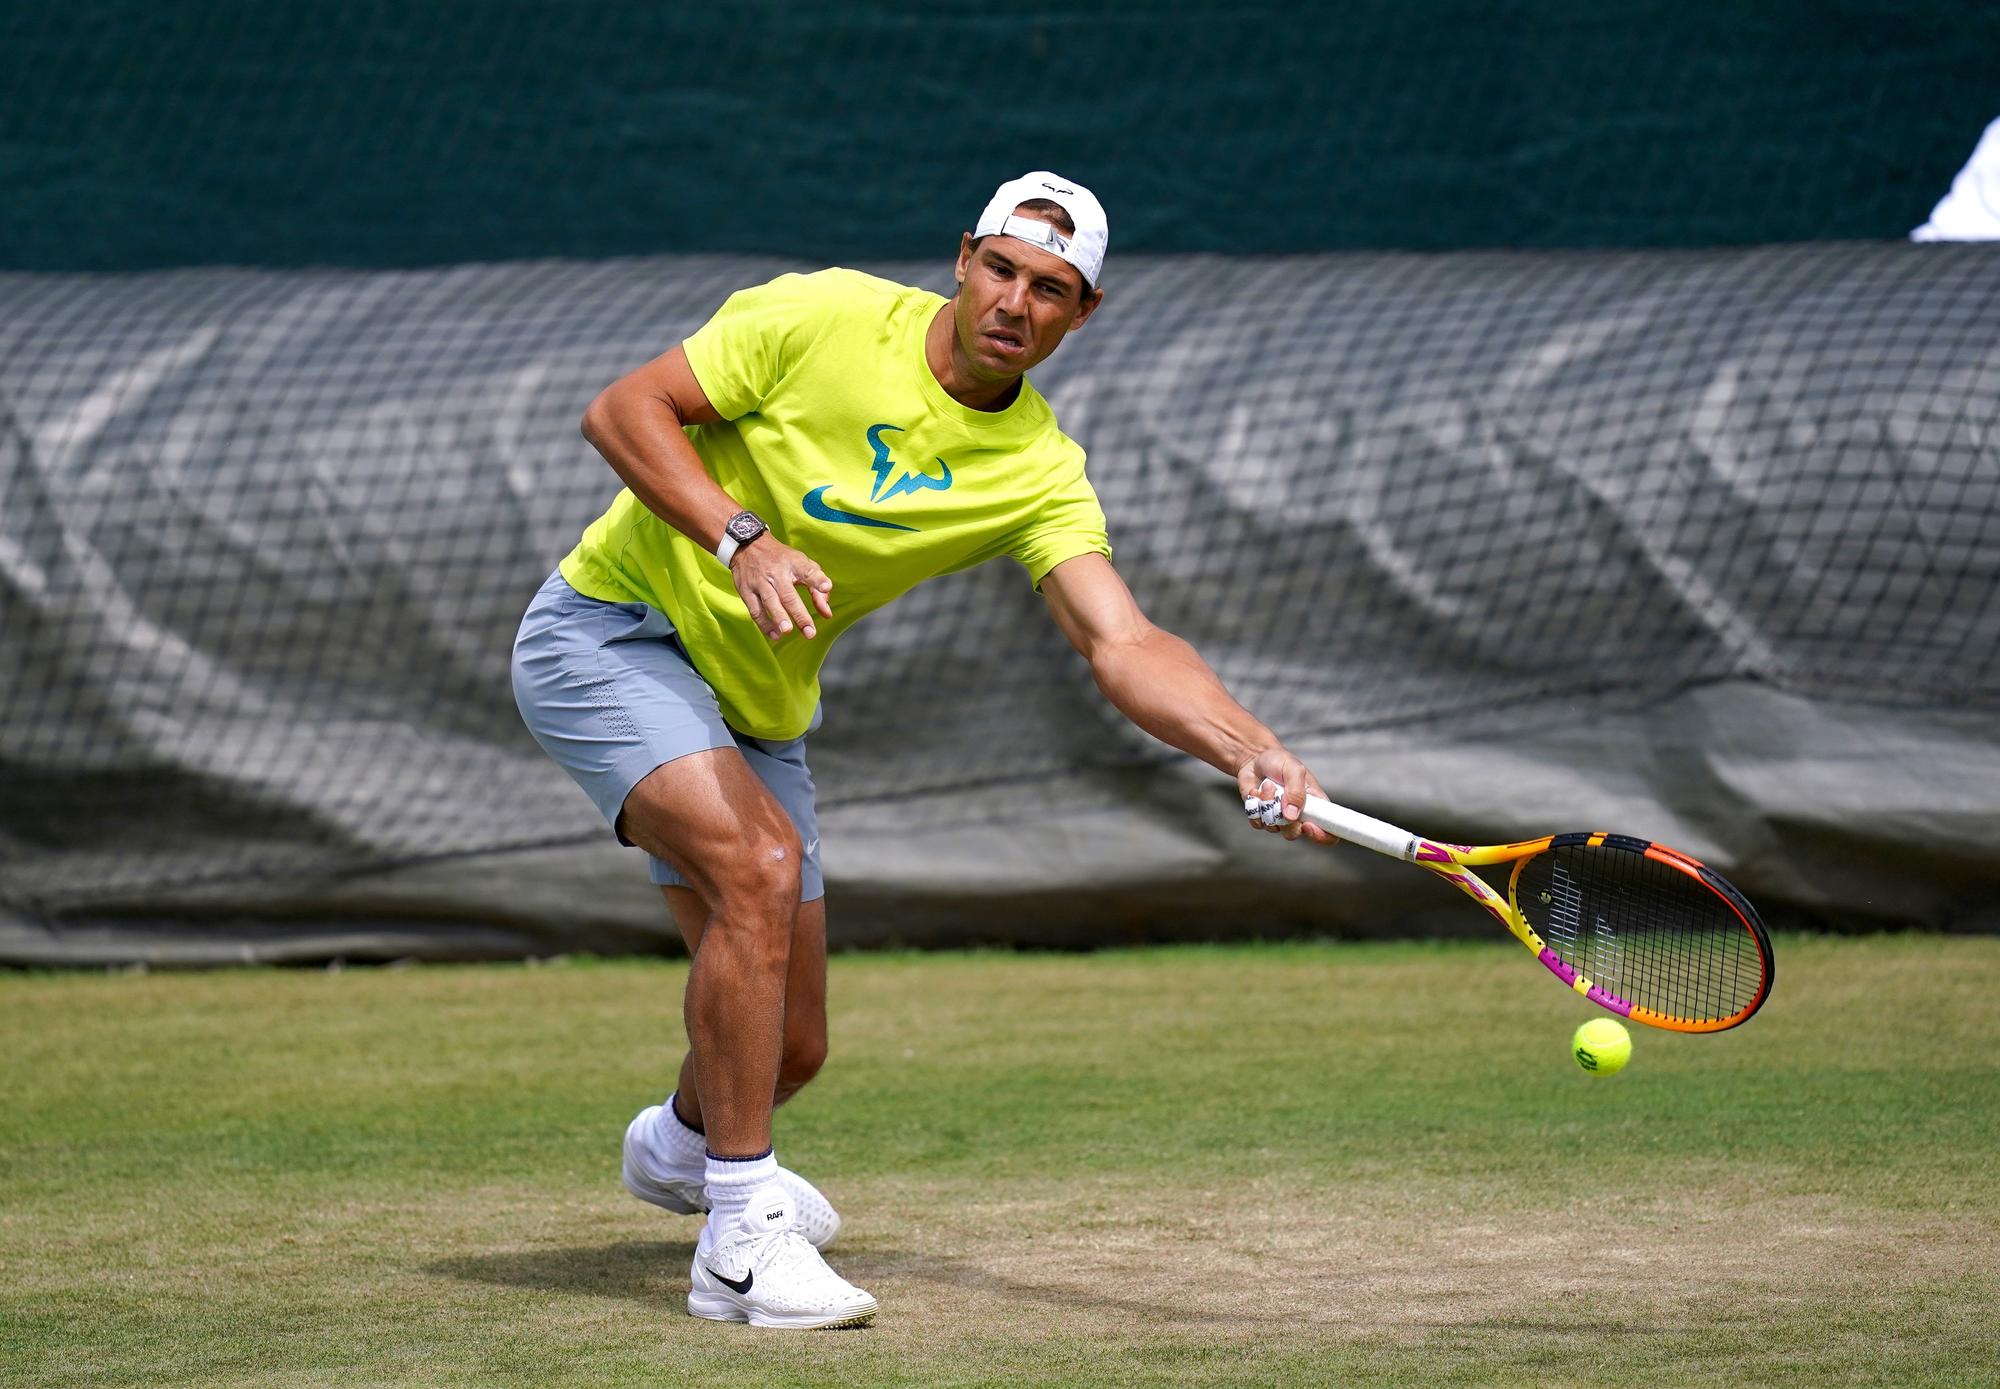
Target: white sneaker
(764,1272)
(688,1195)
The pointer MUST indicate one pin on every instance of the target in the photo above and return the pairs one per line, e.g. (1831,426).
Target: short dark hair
(1052,210)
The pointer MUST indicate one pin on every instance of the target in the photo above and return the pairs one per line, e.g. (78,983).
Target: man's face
(1015,303)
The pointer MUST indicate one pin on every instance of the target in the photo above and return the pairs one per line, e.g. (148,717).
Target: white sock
(732,1182)
(681,1150)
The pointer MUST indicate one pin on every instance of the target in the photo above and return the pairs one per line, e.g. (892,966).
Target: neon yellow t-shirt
(838,435)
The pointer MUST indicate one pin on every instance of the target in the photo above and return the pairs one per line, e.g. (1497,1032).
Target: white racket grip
(1365,830)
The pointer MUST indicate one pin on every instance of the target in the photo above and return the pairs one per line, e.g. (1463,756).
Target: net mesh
(265,537)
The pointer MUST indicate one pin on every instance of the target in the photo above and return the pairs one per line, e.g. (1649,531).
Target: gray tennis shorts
(610,694)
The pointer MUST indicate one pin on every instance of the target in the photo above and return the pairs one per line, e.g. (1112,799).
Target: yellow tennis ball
(1602,1046)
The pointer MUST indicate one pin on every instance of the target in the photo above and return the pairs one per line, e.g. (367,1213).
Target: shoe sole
(721,1307)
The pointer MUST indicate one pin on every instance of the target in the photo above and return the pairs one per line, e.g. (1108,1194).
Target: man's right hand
(768,576)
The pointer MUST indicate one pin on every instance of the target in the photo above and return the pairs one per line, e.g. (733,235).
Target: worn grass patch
(1201,1166)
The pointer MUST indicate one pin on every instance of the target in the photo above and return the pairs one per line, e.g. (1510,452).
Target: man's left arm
(1162,684)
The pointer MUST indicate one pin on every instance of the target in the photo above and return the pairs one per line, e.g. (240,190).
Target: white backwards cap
(1085,249)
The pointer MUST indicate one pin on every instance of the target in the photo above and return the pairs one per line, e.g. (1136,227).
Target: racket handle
(1365,830)
(1339,821)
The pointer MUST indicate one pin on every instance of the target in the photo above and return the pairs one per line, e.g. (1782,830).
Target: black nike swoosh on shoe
(741,1289)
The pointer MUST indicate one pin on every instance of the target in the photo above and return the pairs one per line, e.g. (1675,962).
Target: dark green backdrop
(362,132)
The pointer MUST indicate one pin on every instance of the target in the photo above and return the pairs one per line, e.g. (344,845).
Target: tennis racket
(1633,926)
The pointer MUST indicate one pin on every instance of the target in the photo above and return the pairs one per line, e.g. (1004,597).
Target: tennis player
(820,446)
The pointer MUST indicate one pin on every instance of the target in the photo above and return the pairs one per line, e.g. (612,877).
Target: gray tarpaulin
(1697,546)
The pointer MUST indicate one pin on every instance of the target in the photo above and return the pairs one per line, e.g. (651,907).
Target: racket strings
(1650,933)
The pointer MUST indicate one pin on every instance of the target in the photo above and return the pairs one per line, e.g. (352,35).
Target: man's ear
(1091,300)
(964,257)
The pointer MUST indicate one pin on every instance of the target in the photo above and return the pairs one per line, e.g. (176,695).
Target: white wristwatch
(742,528)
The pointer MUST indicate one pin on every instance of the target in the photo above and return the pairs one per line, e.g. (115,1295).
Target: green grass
(1315,1164)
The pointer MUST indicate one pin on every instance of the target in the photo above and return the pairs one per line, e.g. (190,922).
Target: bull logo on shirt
(908,482)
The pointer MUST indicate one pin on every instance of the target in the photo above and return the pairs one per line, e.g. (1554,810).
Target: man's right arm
(636,424)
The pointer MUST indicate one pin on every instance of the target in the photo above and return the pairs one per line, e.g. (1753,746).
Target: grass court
(1310,1164)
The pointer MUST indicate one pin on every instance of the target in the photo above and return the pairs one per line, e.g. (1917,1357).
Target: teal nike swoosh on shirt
(817,508)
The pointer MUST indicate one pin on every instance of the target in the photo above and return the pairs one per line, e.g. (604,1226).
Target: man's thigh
(704,816)
(608,692)
(781,767)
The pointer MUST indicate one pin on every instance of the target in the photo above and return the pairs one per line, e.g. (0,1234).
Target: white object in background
(1971,210)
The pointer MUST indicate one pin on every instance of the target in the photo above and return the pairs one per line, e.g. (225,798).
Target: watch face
(744,528)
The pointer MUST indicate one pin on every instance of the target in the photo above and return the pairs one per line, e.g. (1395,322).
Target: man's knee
(725,833)
(759,878)
(751,888)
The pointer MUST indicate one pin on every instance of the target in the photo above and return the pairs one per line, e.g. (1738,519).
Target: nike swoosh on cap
(817,508)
